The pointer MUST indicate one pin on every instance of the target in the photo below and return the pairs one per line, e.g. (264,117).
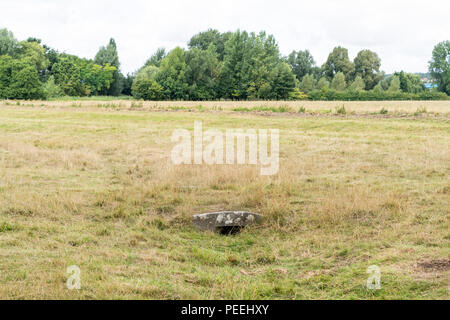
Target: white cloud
(402,32)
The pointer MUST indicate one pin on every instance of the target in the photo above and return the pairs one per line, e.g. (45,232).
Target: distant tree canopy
(231,65)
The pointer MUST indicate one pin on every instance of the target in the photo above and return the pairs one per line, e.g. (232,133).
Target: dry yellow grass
(360,107)
(95,187)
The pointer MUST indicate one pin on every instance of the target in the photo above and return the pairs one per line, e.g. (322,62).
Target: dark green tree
(19,79)
(367,66)
(202,71)
(172,75)
(302,63)
(409,82)
(284,82)
(204,39)
(264,62)
(338,61)
(235,76)
(67,74)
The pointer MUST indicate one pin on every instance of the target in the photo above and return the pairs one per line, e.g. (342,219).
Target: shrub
(147,89)
(341,110)
(51,89)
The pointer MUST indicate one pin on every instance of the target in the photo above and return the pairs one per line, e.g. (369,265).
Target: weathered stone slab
(225,221)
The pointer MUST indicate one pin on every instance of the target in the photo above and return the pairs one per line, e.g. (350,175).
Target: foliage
(439,66)
(323,83)
(202,72)
(302,63)
(217,65)
(203,40)
(338,82)
(156,58)
(19,79)
(34,51)
(357,84)
(51,89)
(171,75)
(338,61)
(409,82)
(8,44)
(296,94)
(82,77)
(307,84)
(367,66)
(253,68)
(109,56)
(395,84)
(376,94)
(147,89)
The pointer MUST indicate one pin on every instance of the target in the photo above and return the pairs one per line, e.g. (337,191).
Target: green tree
(51,89)
(147,89)
(203,40)
(358,84)
(202,71)
(34,51)
(67,74)
(439,66)
(145,86)
(234,79)
(19,79)
(284,83)
(8,44)
(127,84)
(171,75)
(409,82)
(338,82)
(338,61)
(367,66)
(323,83)
(395,84)
(307,84)
(109,55)
(156,58)
(378,89)
(264,61)
(96,78)
(302,63)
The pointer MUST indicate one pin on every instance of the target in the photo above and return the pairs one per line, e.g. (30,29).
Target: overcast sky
(402,32)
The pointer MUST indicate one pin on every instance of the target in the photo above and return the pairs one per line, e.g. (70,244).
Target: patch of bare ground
(435,265)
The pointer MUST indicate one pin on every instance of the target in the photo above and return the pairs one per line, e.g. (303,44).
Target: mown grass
(95,187)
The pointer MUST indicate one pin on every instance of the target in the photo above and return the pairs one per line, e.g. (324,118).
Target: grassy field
(91,184)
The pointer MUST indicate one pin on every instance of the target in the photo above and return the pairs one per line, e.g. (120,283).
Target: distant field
(90,183)
(323,107)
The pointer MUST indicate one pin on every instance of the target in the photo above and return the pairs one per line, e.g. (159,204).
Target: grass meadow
(90,183)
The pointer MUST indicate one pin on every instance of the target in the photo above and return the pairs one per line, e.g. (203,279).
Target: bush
(19,79)
(51,89)
(296,94)
(373,95)
(147,89)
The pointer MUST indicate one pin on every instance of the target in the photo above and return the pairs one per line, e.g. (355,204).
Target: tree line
(231,65)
